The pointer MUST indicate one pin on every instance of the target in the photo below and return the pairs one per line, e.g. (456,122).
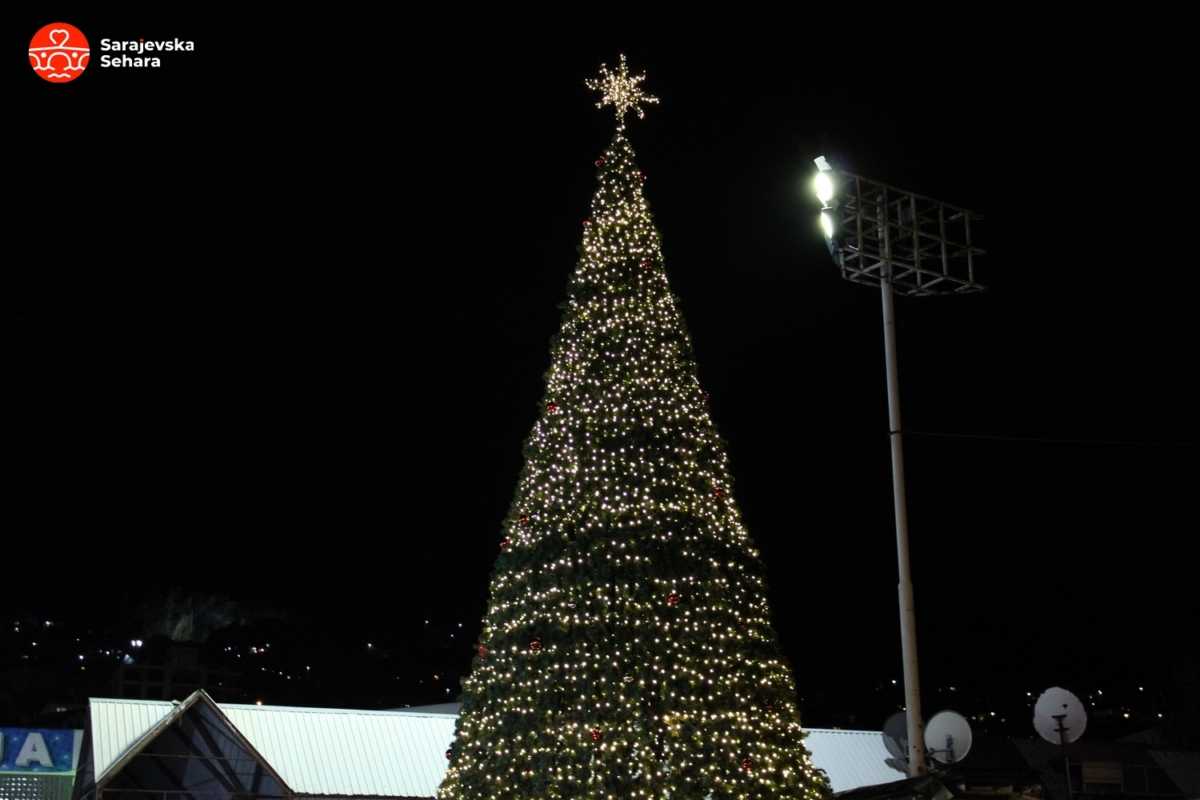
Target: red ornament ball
(673,599)
(535,645)
(719,492)
(747,764)
(505,543)
(587,222)
(646,263)
(552,407)
(599,162)
(483,651)
(524,519)
(449,754)
(597,734)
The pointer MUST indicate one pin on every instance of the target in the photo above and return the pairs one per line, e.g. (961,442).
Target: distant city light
(135,643)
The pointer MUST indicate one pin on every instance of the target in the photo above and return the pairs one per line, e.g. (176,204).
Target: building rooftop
(399,753)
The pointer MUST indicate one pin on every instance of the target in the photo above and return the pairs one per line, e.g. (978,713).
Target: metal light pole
(905,243)
(908,620)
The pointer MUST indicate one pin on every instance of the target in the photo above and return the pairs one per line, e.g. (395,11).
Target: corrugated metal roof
(329,752)
(118,724)
(851,759)
(317,751)
(337,752)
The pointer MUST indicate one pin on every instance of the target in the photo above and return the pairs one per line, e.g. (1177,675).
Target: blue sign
(39,750)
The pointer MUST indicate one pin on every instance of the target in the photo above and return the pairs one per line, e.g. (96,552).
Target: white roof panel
(851,758)
(118,724)
(339,752)
(317,751)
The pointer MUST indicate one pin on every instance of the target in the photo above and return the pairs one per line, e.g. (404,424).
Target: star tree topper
(620,90)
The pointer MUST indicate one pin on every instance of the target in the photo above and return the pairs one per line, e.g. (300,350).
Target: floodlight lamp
(827,224)
(823,186)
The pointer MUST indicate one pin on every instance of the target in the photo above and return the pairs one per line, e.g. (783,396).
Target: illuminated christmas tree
(627,650)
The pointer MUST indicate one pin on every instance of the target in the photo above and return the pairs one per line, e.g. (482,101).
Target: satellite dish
(1059,716)
(948,737)
(895,737)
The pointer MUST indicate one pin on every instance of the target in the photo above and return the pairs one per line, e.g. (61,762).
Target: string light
(627,649)
(621,91)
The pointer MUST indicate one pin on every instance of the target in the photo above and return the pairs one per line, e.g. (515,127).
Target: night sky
(278,315)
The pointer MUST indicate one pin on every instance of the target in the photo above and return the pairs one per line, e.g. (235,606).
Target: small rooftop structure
(200,747)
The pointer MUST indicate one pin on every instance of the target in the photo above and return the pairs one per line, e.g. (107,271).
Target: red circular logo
(59,52)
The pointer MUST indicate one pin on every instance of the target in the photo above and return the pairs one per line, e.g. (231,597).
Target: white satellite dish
(1059,716)
(895,736)
(948,737)
(895,739)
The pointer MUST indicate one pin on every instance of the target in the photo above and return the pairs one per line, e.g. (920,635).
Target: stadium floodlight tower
(912,245)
